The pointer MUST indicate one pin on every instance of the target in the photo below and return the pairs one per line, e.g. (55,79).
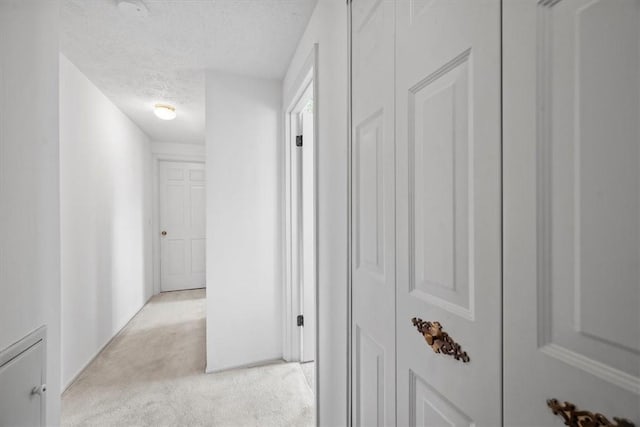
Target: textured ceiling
(138,62)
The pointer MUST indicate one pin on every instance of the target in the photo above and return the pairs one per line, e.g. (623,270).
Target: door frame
(291,343)
(349,296)
(294,181)
(156,158)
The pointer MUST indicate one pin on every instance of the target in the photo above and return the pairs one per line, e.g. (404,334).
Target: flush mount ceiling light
(132,8)
(165,111)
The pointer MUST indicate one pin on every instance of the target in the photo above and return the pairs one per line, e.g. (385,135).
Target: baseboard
(181,290)
(101,349)
(246,365)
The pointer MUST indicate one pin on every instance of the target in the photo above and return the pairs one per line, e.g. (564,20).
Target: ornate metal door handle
(575,418)
(439,340)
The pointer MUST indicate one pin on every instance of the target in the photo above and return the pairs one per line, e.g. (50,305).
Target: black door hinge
(300,320)
(299,141)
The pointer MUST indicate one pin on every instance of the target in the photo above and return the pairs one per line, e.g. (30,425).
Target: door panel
(448,134)
(182,217)
(175,257)
(373,216)
(175,203)
(429,408)
(439,194)
(369,380)
(19,405)
(572,208)
(197,208)
(369,195)
(198,260)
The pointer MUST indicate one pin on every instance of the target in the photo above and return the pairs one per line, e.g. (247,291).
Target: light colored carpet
(152,375)
(309,371)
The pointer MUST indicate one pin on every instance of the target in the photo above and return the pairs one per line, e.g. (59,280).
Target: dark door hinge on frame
(300,320)
(298,140)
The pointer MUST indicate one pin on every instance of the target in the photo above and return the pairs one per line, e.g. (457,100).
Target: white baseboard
(246,365)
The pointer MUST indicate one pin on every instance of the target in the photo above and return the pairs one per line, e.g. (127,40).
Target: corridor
(152,373)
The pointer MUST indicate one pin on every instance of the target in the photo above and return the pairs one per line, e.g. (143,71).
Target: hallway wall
(29,214)
(105,197)
(328,28)
(178,149)
(244,238)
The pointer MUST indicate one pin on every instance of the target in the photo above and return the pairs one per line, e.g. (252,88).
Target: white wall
(29,210)
(178,149)
(244,271)
(328,28)
(105,204)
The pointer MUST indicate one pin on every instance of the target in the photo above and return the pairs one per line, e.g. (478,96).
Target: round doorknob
(164,233)
(39,390)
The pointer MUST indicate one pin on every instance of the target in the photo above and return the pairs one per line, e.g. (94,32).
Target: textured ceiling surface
(140,61)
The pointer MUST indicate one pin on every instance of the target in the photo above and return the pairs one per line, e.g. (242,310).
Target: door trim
(24,344)
(349,295)
(38,336)
(307,75)
(156,158)
(502,213)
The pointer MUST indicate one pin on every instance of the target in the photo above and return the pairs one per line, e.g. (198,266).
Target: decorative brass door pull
(439,341)
(574,418)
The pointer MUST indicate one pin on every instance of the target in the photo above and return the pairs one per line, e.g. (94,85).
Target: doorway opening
(300,333)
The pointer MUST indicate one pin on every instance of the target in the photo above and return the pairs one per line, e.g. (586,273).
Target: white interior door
(182,225)
(373,216)
(571,208)
(309,239)
(448,137)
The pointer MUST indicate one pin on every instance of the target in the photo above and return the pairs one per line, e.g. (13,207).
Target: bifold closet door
(571,208)
(373,220)
(448,139)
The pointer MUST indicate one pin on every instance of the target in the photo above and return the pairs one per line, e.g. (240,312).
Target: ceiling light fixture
(165,111)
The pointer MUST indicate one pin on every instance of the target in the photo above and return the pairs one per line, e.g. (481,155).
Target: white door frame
(291,337)
(156,158)
(349,295)
(295,211)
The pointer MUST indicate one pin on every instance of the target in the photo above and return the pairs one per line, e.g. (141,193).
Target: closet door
(571,208)
(448,210)
(373,219)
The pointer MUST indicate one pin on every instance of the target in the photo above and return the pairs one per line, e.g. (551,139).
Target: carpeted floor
(152,374)
(309,371)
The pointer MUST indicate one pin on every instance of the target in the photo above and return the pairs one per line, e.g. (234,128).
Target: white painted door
(448,209)
(182,225)
(571,208)
(373,216)
(308,237)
